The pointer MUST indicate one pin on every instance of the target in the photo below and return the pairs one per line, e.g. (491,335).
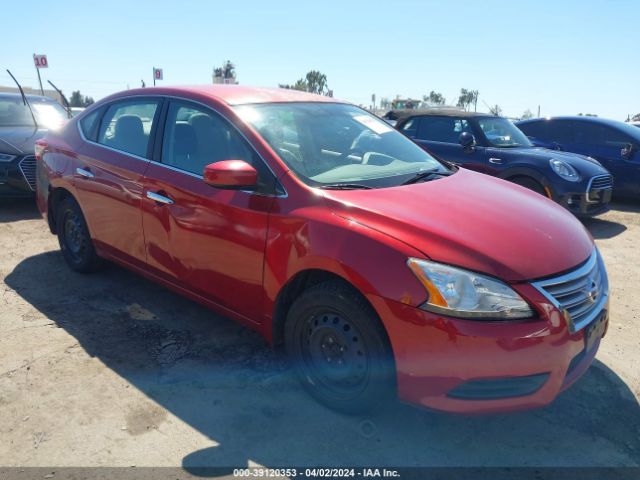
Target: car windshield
(330,143)
(501,132)
(14,113)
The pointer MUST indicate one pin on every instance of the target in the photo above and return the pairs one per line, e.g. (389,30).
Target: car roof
(234,94)
(403,114)
(29,96)
(584,118)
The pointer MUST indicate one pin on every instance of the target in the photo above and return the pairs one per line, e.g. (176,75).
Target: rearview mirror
(627,151)
(230,174)
(467,140)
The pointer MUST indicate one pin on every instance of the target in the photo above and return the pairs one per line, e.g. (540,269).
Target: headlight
(4,157)
(461,293)
(564,170)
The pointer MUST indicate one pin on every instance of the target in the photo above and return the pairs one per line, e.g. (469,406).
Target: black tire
(531,184)
(339,349)
(73,236)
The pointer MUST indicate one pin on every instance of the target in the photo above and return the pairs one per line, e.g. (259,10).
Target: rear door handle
(84,173)
(156,197)
(495,160)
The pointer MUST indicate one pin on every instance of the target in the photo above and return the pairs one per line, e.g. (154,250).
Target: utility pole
(538,111)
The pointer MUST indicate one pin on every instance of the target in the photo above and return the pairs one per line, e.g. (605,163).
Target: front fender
(371,261)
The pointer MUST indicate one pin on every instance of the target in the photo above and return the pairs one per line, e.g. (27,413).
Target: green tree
(526,115)
(434,98)
(316,82)
(79,100)
(313,82)
(497,111)
(468,98)
(76,99)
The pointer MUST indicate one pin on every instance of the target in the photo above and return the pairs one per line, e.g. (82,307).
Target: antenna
(64,99)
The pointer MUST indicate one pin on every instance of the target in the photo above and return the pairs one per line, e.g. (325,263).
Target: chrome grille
(581,294)
(601,182)
(28,168)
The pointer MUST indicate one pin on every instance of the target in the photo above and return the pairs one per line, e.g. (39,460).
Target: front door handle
(156,197)
(84,173)
(495,160)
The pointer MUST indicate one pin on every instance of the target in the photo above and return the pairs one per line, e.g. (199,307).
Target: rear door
(208,240)
(441,134)
(109,172)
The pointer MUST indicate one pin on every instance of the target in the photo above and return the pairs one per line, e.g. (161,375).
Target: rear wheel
(339,349)
(531,184)
(73,236)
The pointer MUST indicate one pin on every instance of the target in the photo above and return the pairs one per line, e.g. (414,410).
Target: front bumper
(588,199)
(17,178)
(466,366)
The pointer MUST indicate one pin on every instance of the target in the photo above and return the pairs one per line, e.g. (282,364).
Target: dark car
(494,146)
(614,144)
(18,134)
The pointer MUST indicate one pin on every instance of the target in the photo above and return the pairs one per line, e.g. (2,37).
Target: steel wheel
(73,236)
(339,348)
(334,354)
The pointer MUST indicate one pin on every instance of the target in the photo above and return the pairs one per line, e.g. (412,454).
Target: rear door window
(89,125)
(126,126)
(442,129)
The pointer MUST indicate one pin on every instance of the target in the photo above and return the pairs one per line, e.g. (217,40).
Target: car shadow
(602,229)
(225,382)
(13,209)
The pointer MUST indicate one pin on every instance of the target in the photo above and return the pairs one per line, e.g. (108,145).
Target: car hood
(19,140)
(473,221)
(581,162)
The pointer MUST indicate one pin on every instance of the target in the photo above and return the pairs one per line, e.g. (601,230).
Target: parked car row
(382,269)
(494,146)
(20,126)
(616,145)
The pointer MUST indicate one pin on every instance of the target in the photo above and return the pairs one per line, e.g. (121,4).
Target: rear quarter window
(89,125)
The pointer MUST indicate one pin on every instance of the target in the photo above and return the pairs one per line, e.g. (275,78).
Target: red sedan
(382,270)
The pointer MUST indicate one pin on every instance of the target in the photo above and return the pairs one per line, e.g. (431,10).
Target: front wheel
(531,184)
(339,349)
(73,236)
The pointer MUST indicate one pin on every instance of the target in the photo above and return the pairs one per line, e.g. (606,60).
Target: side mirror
(467,140)
(627,151)
(231,174)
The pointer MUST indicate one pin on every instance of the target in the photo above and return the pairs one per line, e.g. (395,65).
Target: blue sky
(566,56)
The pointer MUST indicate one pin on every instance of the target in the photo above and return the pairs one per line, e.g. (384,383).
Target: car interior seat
(129,135)
(183,149)
(213,139)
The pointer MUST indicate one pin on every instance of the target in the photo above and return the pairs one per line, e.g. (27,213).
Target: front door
(206,239)
(441,135)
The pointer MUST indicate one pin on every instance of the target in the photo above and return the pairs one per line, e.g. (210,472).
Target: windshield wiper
(345,186)
(425,175)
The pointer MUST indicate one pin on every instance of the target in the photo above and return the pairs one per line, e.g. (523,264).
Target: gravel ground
(112,370)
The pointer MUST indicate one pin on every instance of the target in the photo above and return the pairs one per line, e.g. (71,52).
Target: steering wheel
(289,157)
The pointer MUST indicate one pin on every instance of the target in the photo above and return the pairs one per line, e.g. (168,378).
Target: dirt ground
(112,370)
